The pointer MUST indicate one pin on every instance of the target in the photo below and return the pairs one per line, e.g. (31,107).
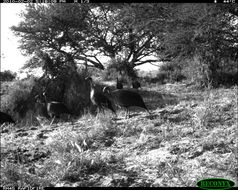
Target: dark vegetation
(198,46)
(196,42)
(5,118)
(7,76)
(136,84)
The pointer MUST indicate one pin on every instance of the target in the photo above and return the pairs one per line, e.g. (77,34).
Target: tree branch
(146,61)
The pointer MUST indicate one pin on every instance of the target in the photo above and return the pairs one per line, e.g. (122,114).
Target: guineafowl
(119,84)
(98,98)
(126,98)
(55,109)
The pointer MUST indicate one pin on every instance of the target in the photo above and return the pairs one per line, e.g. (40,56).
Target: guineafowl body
(99,99)
(5,118)
(127,98)
(119,84)
(55,109)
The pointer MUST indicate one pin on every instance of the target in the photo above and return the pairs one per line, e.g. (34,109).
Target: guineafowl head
(38,99)
(88,78)
(106,90)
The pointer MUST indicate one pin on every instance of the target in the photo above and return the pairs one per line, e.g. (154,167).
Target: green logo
(215,183)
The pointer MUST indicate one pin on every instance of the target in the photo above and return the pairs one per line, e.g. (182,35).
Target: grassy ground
(190,135)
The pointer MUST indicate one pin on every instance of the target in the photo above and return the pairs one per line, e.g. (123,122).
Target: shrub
(7,76)
(171,72)
(161,77)
(110,73)
(71,89)
(196,72)
(200,73)
(228,79)
(121,69)
(19,99)
(227,73)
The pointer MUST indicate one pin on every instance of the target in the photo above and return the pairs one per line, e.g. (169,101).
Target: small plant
(203,114)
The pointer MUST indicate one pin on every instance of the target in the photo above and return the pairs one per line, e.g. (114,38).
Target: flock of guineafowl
(123,98)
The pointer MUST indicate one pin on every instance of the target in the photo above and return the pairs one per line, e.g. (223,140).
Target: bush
(196,72)
(228,79)
(110,73)
(171,72)
(71,89)
(19,99)
(200,74)
(120,69)
(161,77)
(227,73)
(20,102)
(7,76)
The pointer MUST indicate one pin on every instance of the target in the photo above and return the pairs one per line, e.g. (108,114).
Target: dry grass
(191,135)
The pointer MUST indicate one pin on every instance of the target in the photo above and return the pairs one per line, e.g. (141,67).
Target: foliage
(119,69)
(7,76)
(188,31)
(162,76)
(170,72)
(205,31)
(18,101)
(81,32)
(72,90)
(59,32)
(197,72)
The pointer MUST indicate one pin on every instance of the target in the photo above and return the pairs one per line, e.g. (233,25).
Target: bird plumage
(119,84)
(55,109)
(126,98)
(99,99)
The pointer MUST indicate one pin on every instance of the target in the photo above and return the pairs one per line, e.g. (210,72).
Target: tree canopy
(61,36)
(80,32)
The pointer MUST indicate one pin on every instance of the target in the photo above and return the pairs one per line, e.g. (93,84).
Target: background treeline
(197,43)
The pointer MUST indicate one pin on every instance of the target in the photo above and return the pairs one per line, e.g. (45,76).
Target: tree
(61,36)
(54,31)
(205,31)
(80,32)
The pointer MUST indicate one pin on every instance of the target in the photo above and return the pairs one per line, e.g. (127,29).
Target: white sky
(11,57)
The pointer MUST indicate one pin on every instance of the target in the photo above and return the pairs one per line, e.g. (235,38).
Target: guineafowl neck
(92,89)
(91,85)
(45,100)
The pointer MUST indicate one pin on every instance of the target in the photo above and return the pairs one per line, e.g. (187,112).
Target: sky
(11,57)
